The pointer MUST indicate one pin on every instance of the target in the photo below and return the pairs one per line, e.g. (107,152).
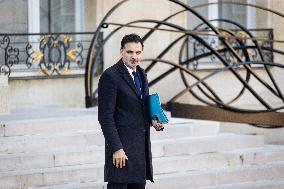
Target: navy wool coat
(125,123)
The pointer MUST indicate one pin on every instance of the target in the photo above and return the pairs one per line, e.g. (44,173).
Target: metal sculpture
(234,50)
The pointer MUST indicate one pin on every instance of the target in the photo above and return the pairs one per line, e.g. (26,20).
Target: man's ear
(121,51)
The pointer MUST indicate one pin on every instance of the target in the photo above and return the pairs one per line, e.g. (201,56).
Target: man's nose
(134,56)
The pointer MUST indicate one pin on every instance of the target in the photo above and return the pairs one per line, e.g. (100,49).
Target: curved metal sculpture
(232,50)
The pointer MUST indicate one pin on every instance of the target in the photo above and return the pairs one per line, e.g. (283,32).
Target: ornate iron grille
(45,54)
(199,57)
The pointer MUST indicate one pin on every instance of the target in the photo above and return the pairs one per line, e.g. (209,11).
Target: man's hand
(119,158)
(158,126)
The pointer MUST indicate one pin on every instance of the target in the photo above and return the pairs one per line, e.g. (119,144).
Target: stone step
(191,128)
(43,112)
(270,153)
(95,154)
(161,165)
(51,176)
(256,175)
(196,145)
(170,146)
(274,153)
(73,155)
(249,156)
(266,184)
(50,120)
(49,126)
(219,177)
(80,185)
(15,144)
(20,144)
(88,154)
(47,121)
(52,158)
(87,121)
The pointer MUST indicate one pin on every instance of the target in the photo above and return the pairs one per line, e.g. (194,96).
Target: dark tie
(137,83)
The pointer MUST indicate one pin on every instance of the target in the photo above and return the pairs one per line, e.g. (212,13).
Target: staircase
(53,148)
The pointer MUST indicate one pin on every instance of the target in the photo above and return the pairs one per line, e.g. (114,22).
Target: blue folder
(156,110)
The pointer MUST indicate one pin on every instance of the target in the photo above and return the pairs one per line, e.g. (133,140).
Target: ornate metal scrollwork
(200,50)
(11,55)
(55,54)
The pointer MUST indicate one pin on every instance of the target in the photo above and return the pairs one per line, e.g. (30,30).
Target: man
(124,119)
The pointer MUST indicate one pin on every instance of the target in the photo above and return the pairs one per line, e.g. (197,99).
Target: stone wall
(4,95)
(60,92)
(133,10)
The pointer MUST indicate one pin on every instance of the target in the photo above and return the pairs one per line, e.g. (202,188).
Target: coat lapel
(127,77)
(144,80)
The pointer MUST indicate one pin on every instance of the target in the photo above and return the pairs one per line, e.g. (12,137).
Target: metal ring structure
(233,46)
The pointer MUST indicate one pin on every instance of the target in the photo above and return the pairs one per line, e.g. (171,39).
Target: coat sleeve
(107,92)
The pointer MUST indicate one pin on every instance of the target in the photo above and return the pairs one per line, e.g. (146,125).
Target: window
(56,15)
(14,16)
(35,55)
(243,15)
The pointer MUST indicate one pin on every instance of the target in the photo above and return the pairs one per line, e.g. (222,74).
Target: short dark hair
(131,38)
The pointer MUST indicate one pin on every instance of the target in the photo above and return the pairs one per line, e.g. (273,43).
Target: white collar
(130,70)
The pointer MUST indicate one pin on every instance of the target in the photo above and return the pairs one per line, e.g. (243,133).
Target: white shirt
(130,71)
(132,76)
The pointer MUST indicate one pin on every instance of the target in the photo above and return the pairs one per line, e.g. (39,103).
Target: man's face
(131,54)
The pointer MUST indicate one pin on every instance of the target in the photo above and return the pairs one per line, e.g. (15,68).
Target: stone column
(4,95)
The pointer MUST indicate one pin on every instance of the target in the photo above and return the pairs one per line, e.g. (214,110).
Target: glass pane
(14,19)
(57,15)
(193,21)
(233,12)
(44,14)
(14,16)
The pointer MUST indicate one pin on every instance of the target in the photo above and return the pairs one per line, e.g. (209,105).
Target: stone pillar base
(4,95)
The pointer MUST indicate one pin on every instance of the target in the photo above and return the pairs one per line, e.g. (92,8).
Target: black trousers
(126,185)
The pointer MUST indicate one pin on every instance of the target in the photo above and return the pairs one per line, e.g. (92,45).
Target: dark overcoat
(125,123)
